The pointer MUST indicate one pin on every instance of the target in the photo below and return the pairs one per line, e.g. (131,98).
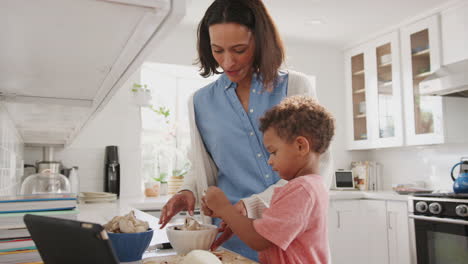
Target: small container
(74,181)
(362,107)
(152,189)
(130,246)
(164,188)
(45,182)
(184,241)
(387,58)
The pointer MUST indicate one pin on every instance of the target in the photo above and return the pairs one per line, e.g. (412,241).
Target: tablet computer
(68,241)
(344,180)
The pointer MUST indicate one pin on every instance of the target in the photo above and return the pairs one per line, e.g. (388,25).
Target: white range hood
(62,60)
(449,80)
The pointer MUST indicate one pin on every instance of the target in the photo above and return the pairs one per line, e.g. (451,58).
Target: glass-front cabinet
(421,57)
(373,94)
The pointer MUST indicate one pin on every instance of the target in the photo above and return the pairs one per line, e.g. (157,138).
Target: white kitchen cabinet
(398,233)
(345,234)
(373,94)
(387,234)
(374,219)
(454,29)
(62,61)
(369,231)
(420,54)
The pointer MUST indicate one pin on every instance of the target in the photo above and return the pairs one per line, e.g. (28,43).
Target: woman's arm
(203,170)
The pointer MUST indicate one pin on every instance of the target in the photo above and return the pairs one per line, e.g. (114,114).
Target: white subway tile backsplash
(11,155)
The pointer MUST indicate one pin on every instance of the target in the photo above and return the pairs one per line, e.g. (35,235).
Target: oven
(439,229)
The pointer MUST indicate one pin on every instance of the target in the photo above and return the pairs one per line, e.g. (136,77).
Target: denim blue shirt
(232,136)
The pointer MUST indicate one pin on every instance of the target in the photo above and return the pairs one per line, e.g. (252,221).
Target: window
(166,139)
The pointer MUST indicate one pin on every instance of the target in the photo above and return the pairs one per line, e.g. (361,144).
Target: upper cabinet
(385,105)
(63,60)
(420,57)
(454,28)
(373,94)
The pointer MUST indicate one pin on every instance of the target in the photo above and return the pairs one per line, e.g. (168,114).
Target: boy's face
(284,156)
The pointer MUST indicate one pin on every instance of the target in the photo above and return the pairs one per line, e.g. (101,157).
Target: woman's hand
(224,228)
(184,200)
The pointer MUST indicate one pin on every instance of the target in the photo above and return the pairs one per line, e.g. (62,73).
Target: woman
(239,37)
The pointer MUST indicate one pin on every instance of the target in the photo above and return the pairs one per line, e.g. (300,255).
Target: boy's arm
(244,229)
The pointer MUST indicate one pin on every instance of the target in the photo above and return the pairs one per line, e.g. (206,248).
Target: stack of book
(16,245)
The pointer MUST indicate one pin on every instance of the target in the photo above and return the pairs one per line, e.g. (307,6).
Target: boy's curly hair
(301,116)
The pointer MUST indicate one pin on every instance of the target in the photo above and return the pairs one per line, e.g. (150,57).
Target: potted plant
(177,178)
(141,94)
(162,182)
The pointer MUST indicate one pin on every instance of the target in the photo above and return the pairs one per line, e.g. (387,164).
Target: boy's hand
(225,230)
(215,200)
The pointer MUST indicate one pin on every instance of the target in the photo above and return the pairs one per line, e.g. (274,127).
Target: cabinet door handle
(339,220)
(389,218)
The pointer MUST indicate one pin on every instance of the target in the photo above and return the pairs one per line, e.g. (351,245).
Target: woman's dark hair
(269,50)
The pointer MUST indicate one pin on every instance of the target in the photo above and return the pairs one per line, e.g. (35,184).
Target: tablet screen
(344,179)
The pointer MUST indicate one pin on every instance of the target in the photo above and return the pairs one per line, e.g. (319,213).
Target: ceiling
(345,22)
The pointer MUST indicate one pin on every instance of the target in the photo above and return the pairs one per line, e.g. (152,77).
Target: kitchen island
(102,213)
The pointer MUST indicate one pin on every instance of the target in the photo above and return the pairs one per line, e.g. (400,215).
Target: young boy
(294,228)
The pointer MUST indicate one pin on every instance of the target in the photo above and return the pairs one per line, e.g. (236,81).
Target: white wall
(11,154)
(117,124)
(431,164)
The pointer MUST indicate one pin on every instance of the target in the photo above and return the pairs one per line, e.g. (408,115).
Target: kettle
(460,184)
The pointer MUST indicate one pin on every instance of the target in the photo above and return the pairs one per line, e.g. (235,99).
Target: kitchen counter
(125,204)
(380,195)
(103,212)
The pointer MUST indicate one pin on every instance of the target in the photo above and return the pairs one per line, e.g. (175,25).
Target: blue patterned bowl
(130,246)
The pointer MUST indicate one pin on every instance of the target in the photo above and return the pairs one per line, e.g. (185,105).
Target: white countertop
(372,195)
(125,204)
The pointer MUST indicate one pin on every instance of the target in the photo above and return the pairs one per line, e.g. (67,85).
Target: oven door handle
(437,219)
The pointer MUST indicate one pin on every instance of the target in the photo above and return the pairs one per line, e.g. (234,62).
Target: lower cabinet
(398,233)
(368,232)
(344,232)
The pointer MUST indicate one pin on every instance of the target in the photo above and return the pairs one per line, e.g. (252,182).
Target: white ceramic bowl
(185,241)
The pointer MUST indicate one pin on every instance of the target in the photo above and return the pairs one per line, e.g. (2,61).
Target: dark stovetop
(443,195)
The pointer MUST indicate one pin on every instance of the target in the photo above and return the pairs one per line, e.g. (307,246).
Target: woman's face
(233,47)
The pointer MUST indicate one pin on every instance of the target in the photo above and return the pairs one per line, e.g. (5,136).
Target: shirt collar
(227,83)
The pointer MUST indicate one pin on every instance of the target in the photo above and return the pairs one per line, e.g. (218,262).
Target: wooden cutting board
(226,256)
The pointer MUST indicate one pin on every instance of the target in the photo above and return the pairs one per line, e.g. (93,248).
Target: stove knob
(461,210)
(435,208)
(421,207)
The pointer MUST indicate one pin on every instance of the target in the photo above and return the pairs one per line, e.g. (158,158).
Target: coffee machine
(112,170)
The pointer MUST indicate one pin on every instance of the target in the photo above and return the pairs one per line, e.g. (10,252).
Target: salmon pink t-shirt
(296,223)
